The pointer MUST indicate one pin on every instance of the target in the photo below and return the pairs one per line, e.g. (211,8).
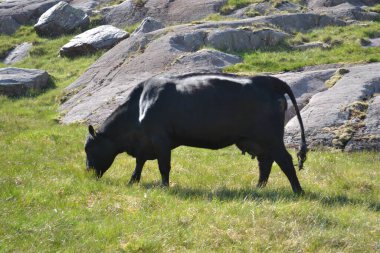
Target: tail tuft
(301,155)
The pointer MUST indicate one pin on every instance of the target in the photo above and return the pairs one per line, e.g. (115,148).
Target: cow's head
(100,152)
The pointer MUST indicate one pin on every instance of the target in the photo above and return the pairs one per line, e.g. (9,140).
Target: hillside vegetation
(50,204)
(232,5)
(345,47)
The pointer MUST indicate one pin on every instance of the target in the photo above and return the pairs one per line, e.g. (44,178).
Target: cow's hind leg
(164,166)
(137,173)
(265,167)
(284,160)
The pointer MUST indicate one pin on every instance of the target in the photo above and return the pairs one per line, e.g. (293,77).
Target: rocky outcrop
(88,5)
(368,136)
(169,50)
(149,25)
(19,82)
(237,40)
(14,13)
(293,22)
(61,19)
(315,4)
(204,60)
(302,22)
(18,54)
(168,12)
(341,114)
(101,37)
(266,8)
(305,85)
(347,10)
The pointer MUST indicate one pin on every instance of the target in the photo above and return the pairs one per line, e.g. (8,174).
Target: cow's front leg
(137,173)
(164,166)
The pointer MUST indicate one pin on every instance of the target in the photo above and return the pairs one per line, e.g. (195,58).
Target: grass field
(48,203)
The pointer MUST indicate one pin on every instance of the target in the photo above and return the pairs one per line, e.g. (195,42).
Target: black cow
(199,110)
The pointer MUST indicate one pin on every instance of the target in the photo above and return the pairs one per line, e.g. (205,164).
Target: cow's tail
(301,155)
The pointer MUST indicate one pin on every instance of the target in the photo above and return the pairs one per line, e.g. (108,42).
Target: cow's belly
(209,143)
(211,138)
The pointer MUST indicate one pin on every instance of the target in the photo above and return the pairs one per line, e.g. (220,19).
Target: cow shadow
(261,195)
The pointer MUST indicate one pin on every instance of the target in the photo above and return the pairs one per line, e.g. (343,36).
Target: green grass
(48,203)
(45,55)
(9,42)
(345,48)
(109,3)
(131,28)
(375,8)
(215,17)
(232,5)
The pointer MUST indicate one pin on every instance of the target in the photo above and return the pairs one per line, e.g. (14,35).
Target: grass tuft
(375,8)
(131,28)
(336,77)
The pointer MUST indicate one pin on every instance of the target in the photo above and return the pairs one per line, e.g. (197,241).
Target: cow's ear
(91,130)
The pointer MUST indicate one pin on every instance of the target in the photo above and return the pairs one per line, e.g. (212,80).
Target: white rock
(101,37)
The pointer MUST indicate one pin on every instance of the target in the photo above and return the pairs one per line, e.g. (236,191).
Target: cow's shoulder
(154,89)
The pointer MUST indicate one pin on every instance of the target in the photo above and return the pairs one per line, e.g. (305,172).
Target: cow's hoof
(133,181)
(261,184)
(165,184)
(299,192)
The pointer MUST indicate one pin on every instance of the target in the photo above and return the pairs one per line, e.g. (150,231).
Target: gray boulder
(18,54)
(188,42)
(288,7)
(88,5)
(101,37)
(149,25)
(85,5)
(347,11)
(18,82)
(61,19)
(375,42)
(235,40)
(168,12)
(266,8)
(14,13)
(305,85)
(205,60)
(335,116)
(302,22)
